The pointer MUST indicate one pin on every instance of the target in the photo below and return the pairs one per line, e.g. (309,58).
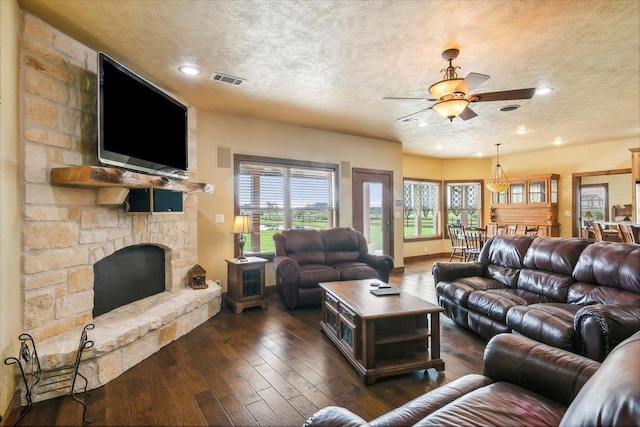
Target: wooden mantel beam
(97,176)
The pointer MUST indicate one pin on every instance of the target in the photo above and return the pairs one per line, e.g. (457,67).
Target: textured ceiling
(328,64)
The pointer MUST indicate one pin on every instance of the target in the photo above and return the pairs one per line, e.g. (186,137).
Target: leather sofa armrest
(450,271)
(549,371)
(600,327)
(382,263)
(335,416)
(287,273)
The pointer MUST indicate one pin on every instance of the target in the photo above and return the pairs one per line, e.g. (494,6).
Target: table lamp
(241,225)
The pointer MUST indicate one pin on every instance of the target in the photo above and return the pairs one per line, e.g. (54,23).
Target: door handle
(389,223)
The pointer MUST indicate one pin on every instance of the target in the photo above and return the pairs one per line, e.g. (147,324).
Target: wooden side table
(245,283)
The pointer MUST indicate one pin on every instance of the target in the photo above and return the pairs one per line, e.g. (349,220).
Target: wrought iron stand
(36,381)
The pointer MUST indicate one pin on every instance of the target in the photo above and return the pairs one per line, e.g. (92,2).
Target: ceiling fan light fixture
(444,87)
(451,108)
(499,182)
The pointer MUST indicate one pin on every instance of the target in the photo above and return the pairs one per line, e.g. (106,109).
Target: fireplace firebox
(130,274)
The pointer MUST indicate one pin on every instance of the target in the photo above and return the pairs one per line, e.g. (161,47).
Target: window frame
(446,183)
(238,159)
(441,227)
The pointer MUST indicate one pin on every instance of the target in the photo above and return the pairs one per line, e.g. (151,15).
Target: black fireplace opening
(128,275)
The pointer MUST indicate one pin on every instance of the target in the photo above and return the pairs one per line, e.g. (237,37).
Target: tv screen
(140,127)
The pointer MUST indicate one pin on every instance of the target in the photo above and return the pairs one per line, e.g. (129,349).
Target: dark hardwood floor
(269,367)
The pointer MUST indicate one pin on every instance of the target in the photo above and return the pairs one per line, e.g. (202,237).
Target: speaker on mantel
(145,200)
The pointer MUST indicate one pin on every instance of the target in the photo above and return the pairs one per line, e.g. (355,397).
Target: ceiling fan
(452,94)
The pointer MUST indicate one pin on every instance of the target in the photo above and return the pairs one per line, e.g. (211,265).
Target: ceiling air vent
(223,78)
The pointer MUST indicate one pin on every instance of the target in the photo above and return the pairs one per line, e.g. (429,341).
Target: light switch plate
(219,217)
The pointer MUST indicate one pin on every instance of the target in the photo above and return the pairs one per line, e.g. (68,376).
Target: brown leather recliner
(305,258)
(524,383)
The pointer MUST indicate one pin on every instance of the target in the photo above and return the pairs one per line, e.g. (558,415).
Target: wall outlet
(567,213)
(219,217)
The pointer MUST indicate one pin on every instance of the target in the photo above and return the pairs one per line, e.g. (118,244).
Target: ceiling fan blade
(472,81)
(506,95)
(394,97)
(467,114)
(413,114)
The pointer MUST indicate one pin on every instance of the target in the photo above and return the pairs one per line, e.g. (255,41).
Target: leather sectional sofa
(524,383)
(304,258)
(569,293)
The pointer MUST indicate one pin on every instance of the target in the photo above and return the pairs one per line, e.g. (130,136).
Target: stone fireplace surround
(65,230)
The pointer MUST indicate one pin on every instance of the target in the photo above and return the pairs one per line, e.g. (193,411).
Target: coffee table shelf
(381,335)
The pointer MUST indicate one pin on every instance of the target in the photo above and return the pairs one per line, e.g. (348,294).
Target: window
(281,194)
(464,203)
(594,203)
(422,213)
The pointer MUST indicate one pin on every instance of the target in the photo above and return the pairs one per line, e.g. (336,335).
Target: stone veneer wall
(64,230)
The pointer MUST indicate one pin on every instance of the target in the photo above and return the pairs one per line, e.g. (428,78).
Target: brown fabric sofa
(305,258)
(570,293)
(524,383)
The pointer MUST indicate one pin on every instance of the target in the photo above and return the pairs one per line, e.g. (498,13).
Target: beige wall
(561,160)
(10,197)
(264,138)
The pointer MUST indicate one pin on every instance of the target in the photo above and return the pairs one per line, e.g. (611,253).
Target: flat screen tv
(140,127)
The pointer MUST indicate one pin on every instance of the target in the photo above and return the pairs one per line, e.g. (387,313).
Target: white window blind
(280,196)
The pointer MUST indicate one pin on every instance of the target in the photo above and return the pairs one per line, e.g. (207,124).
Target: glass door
(373,208)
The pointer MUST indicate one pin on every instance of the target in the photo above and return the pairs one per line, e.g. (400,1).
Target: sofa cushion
(555,255)
(495,303)
(341,245)
(498,404)
(505,250)
(458,291)
(553,286)
(355,271)
(304,246)
(611,397)
(551,323)
(312,274)
(611,265)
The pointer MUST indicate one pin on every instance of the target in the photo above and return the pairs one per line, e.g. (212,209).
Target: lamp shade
(444,87)
(451,108)
(242,224)
(499,182)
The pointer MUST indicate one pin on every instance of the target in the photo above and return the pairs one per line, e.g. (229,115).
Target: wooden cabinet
(529,201)
(245,283)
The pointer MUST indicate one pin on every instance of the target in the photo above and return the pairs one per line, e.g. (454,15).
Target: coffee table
(381,335)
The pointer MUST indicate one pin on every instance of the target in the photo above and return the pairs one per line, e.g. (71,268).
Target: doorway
(373,208)
(615,189)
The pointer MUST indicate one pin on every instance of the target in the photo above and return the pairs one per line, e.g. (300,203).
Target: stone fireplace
(67,230)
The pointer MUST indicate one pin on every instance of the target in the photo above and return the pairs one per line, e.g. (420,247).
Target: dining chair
(531,231)
(626,233)
(598,232)
(475,238)
(458,244)
(509,229)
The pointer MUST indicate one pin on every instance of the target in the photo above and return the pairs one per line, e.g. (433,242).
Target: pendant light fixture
(498,183)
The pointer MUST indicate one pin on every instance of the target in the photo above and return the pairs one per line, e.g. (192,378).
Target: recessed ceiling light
(545,90)
(510,107)
(522,129)
(422,124)
(439,147)
(479,154)
(190,70)
(558,141)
